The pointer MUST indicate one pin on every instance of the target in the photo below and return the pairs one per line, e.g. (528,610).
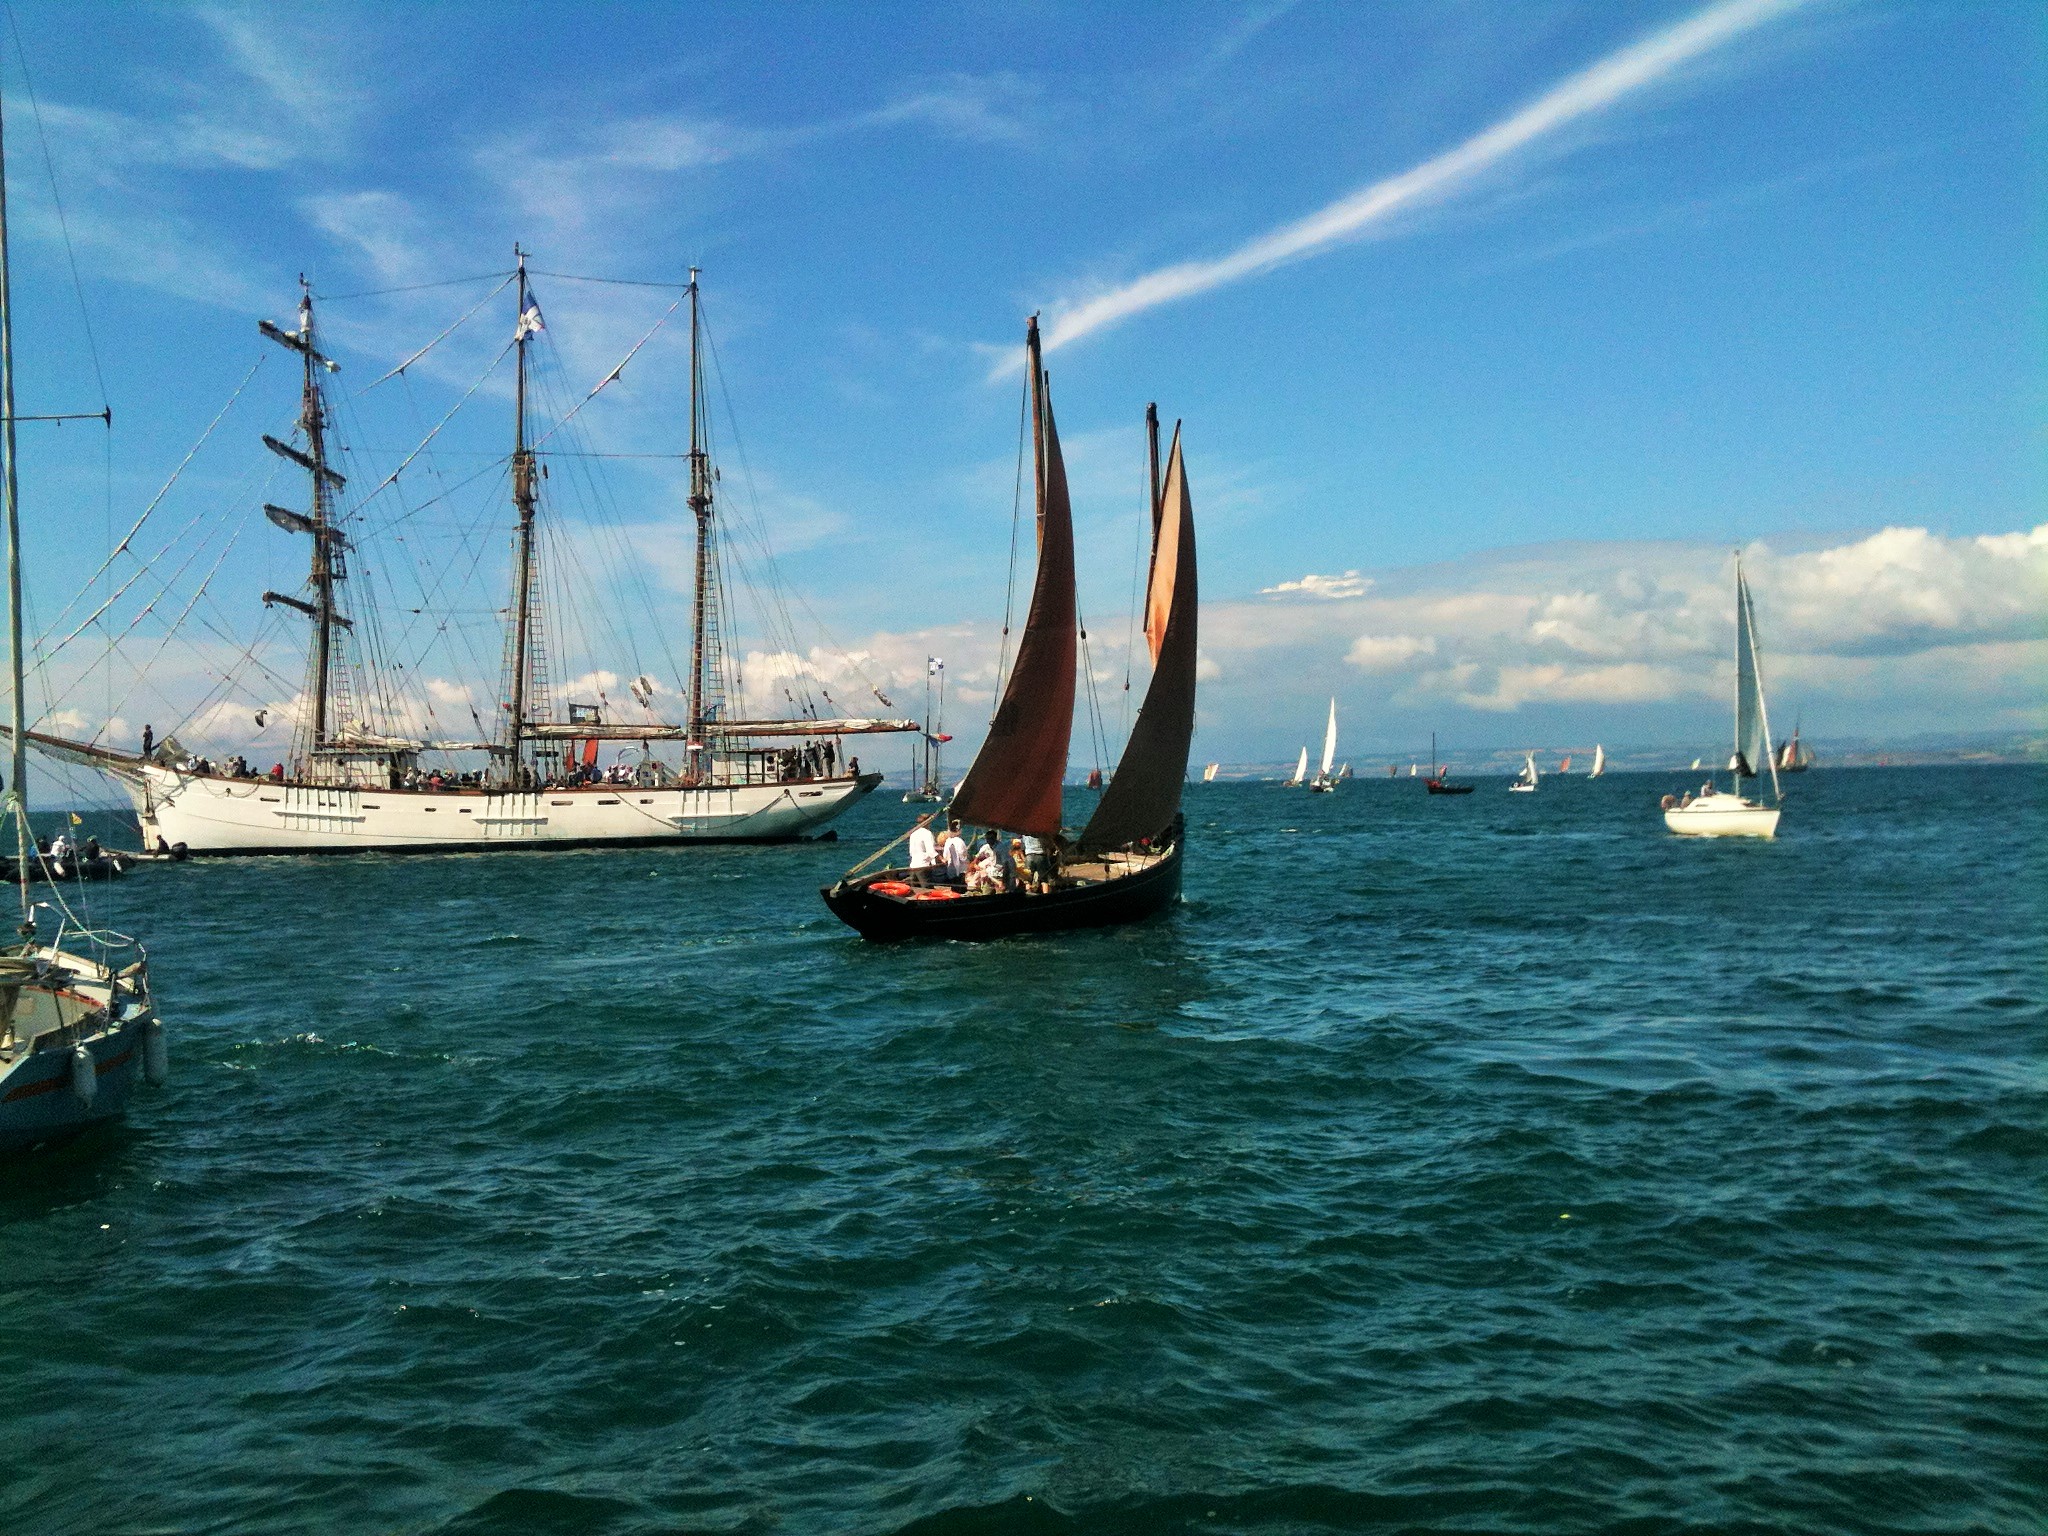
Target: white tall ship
(354,780)
(1717,812)
(1325,781)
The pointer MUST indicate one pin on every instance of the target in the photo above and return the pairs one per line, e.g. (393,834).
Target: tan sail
(1016,778)
(1145,794)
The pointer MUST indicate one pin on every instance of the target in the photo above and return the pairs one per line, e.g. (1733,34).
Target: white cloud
(1593,90)
(1350,584)
(1388,653)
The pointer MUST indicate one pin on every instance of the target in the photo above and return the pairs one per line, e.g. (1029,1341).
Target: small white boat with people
(76,1024)
(1325,782)
(1717,812)
(1526,781)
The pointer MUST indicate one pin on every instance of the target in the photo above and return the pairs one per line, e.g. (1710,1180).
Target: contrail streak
(1591,90)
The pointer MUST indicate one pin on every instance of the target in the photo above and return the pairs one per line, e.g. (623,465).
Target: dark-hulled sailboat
(1125,864)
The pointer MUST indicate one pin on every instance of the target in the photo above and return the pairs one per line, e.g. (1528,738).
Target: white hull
(217,815)
(1720,815)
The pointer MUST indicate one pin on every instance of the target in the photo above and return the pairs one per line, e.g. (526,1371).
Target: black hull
(1129,899)
(1451,789)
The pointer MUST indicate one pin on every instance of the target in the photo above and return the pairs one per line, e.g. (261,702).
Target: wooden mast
(700,504)
(1037,365)
(313,417)
(18,718)
(523,498)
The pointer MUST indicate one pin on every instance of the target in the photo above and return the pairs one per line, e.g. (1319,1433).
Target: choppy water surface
(1493,1164)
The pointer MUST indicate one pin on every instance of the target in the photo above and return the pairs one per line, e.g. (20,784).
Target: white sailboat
(1209,773)
(1599,761)
(1715,812)
(1325,782)
(76,1024)
(357,778)
(1300,771)
(1525,783)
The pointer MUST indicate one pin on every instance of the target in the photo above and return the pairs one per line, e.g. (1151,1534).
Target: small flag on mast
(529,318)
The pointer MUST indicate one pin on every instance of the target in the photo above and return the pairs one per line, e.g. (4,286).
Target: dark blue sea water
(1501,1164)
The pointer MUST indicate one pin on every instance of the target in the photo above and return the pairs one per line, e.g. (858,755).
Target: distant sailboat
(1566,765)
(1300,772)
(1343,773)
(1209,773)
(1413,772)
(1599,761)
(1725,813)
(1695,765)
(1525,783)
(1324,782)
(926,791)
(1792,757)
(1438,782)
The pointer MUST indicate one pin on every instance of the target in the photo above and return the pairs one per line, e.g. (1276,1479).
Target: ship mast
(700,504)
(18,719)
(326,566)
(523,501)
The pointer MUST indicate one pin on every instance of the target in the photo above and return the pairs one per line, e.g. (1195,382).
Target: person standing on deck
(953,852)
(924,851)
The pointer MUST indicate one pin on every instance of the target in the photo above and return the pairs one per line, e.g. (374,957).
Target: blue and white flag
(529,318)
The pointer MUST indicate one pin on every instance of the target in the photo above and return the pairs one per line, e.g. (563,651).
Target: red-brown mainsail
(1144,796)
(1016,778)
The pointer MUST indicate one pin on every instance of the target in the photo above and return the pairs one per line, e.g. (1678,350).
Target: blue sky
(1785,290)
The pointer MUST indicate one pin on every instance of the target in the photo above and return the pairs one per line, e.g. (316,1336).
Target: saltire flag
(529,318)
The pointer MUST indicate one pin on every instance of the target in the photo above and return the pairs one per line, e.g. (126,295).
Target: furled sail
(1143,797)
(1752,730)
(1016,777)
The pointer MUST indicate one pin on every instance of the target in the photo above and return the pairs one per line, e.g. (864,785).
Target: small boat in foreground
(1715,812)
(1125,864)
(75,1030)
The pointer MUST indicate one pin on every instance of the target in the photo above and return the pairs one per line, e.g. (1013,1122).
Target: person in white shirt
(953,852)
(924,848)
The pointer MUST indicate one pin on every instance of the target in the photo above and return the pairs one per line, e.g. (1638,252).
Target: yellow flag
(77,820)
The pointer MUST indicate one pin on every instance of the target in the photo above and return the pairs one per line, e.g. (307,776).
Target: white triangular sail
(1599,761)
(1301,768)
(1330,741)
(1209,773)
(1752,724)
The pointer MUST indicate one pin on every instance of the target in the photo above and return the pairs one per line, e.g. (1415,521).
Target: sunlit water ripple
(1495,1164)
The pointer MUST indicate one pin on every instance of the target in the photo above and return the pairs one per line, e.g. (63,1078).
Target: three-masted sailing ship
(77,1027)
(1125,863)
(1715,812)
(353,783)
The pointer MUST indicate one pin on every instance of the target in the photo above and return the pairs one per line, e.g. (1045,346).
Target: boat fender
(890,888)
(156,1054)
(938,893)
(85,1075)
(179,853)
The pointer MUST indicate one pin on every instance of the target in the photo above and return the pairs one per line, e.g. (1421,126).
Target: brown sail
(1145,794)
(1016,778)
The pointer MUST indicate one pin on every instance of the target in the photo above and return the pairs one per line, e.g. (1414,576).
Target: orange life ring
(890,888)
(937,893)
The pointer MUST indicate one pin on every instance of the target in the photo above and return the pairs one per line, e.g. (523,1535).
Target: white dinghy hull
(1722,815)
